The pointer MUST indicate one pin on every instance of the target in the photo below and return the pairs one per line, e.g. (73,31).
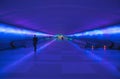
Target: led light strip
(4,28)
(110,30)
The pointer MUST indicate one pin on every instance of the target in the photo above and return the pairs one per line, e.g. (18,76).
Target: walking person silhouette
(35,40)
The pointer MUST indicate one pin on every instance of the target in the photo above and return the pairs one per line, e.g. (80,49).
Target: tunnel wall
(111,41)
(11,40)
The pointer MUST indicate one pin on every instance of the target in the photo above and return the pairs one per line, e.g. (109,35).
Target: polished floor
(59,59)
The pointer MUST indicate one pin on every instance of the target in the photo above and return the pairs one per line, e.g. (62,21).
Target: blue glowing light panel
(109,30)
(4,28)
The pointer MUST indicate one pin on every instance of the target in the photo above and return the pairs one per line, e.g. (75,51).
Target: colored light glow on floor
(9,67)
(4,28)
(47,44)
(97,59)
(110,30)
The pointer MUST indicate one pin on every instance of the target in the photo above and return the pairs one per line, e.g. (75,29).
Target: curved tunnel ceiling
(60,16)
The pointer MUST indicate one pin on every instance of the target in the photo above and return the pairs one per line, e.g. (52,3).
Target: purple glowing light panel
(4,28)
(109,30)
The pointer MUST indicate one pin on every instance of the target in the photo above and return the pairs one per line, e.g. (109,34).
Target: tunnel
(59,39)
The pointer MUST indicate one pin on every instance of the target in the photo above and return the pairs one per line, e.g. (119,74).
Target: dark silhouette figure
(35,40)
